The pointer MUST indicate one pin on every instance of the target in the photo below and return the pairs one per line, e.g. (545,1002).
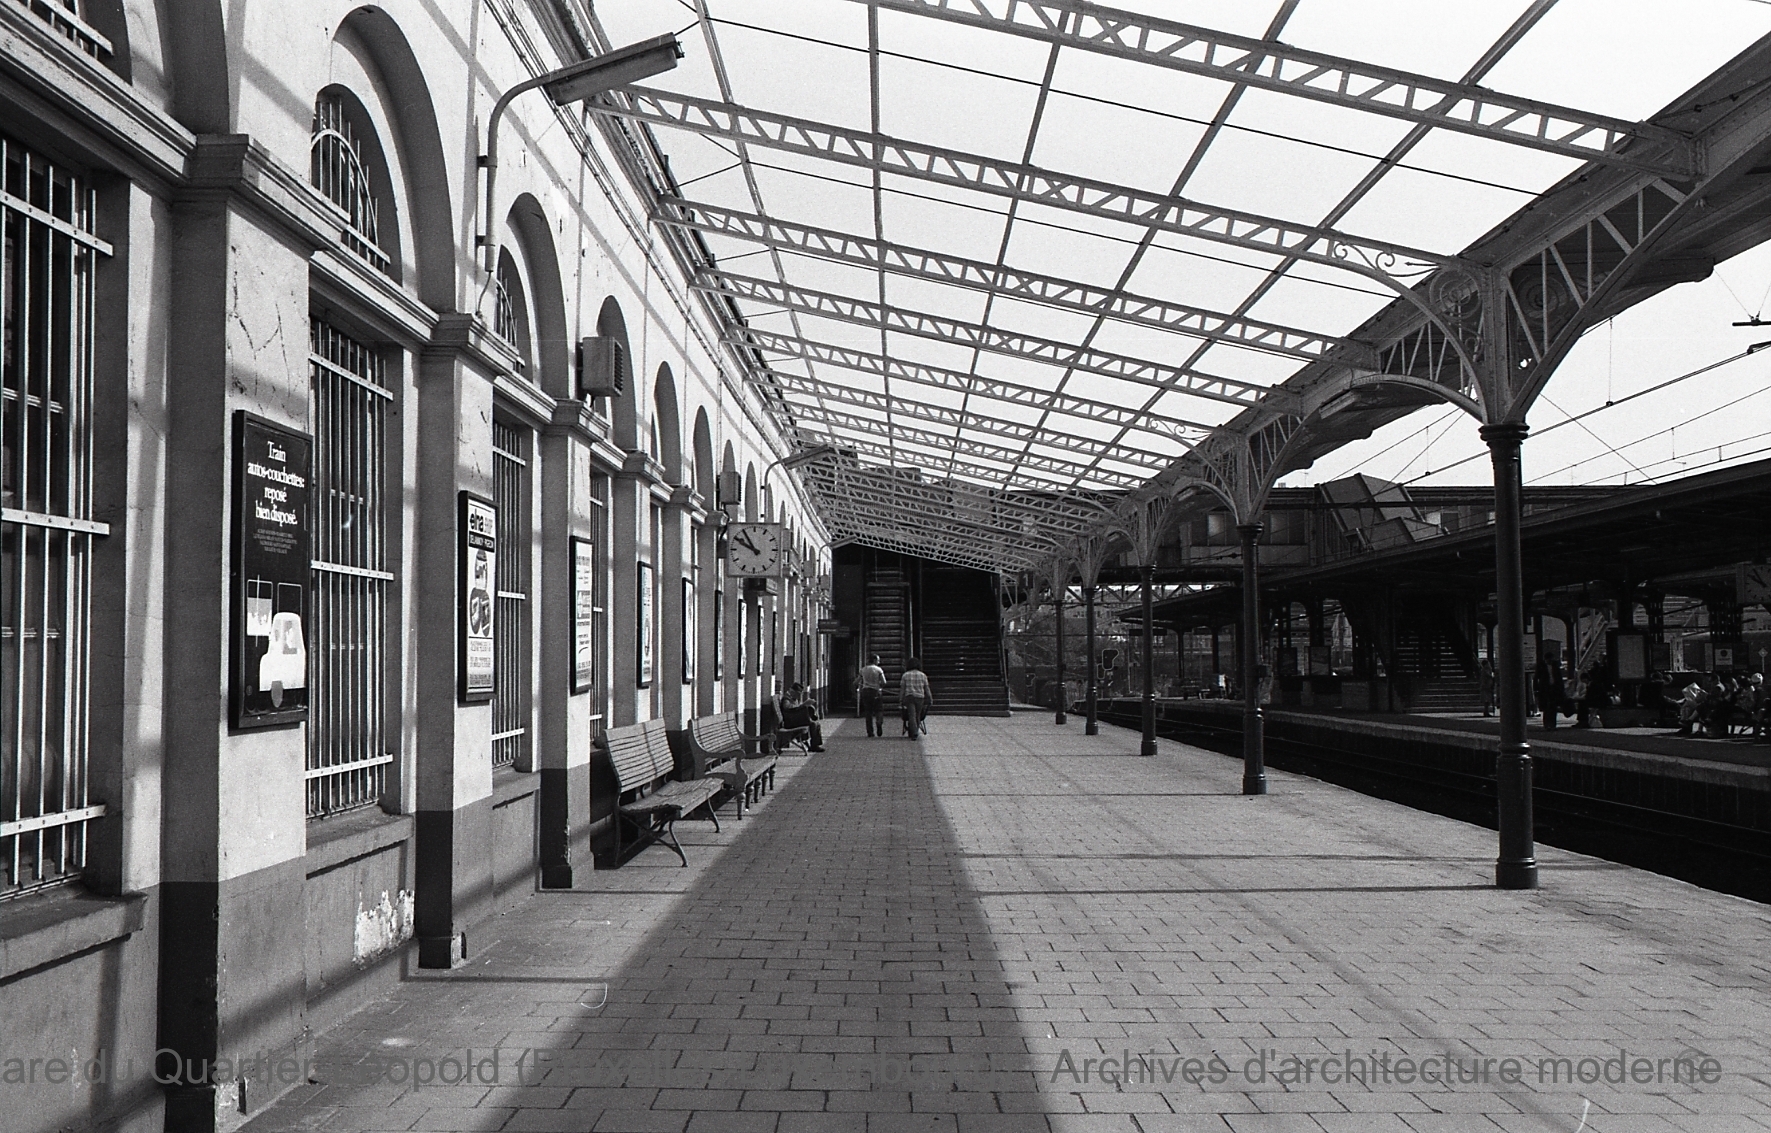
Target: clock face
(1755,584)
(753,549)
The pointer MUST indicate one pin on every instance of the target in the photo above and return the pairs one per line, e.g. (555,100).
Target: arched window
(510,319)
(341,170)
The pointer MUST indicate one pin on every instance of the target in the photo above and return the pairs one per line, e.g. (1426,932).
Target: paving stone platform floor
(1010,926)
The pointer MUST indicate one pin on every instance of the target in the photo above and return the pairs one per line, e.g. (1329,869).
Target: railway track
(1726,857)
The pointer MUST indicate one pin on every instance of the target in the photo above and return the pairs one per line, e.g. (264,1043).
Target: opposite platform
(980,931)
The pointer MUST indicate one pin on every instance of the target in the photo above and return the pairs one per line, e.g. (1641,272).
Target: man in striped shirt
(916,697)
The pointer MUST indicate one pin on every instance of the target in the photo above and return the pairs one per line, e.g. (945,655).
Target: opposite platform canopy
(1014,259)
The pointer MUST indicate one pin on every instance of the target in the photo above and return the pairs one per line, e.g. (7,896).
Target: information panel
(583,614)
(478,590)
(646,635)
(689,615)
(271,572)
(719,634)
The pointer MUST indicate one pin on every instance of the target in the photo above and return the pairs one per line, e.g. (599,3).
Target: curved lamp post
(565,86)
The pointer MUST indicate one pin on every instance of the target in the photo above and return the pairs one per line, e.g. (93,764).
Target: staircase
(1431,649)
(1455,694)
(962,641)
(887,628)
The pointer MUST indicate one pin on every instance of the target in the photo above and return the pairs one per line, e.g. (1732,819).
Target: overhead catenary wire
(1624,400)
(1659,433)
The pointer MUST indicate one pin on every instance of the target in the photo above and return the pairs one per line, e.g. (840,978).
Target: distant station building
(1379,596)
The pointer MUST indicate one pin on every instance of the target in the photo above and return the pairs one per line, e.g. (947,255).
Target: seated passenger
(798,712)
(1689,702)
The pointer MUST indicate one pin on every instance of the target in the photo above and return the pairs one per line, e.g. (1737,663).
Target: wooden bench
(744,764)
(643,765)
(784,737)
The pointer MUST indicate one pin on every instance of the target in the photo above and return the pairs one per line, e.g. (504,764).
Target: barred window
(47,253)
(511,713)
(347,742)
(64,17)
(340,172)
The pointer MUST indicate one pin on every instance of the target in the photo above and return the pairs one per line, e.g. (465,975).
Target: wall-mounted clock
(1754,584)
(754,550)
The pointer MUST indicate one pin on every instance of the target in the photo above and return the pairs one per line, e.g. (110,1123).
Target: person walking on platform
(871,690)
(916,697)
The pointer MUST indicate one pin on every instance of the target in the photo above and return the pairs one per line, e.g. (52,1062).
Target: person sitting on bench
(799,713)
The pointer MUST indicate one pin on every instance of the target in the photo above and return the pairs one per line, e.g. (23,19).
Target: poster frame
(719,633)
(466,543)
(643,617)
(688,630)
(242,716)
(583,553)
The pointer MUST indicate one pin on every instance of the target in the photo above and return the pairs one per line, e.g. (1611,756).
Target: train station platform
(1011,926)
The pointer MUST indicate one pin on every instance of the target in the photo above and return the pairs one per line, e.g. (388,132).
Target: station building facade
(321,574)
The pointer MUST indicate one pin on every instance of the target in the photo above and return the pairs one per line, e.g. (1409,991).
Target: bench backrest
(717,734)
(640,753)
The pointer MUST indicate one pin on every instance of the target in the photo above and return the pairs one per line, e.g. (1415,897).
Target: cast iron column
(1148,747)
(1517,865)
(1093,726)
(1058,605)
(1254,755)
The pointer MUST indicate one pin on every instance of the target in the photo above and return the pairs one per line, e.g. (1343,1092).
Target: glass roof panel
(1116,143)
(1089,267)
(1627,60)
(917,101)
(961,46)
(1442,40)
(803,72)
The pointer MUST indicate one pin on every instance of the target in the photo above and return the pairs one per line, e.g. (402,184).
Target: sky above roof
(979,383)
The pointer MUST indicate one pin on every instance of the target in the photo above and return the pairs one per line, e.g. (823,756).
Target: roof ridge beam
(1062,466)
(1445,103)
(935,467)
(1059,511)
(961,419)
(1014,344)
(978,275)
(1394,265)
(997,389)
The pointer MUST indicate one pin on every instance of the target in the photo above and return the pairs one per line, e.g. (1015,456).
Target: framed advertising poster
(688,631)
(476,588)
(1632,657)
(271,572)
(583,614)
(719,634)
(644,613)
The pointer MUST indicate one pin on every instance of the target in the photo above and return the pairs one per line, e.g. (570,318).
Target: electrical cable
(1659,433)
(1589,432)
(1596,409)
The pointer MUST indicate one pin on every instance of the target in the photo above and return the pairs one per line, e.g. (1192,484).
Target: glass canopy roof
(1012,258)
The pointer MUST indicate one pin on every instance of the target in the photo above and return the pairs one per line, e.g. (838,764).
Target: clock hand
(744,540)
